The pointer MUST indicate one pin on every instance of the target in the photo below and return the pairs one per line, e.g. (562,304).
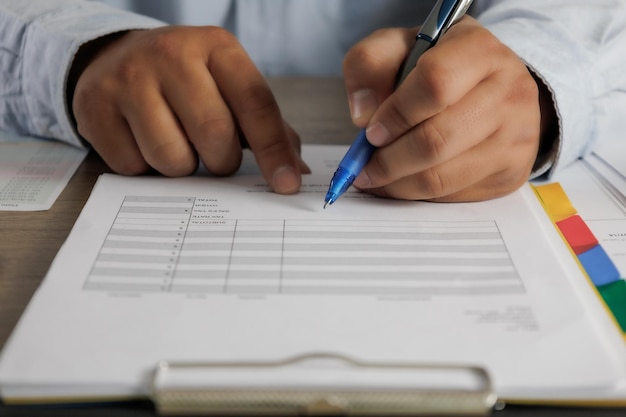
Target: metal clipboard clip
(321,384)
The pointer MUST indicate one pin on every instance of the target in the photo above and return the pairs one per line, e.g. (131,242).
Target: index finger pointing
(256,110)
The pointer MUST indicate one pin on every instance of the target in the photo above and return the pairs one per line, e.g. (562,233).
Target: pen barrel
(421,46)
(357,156)
(350,166)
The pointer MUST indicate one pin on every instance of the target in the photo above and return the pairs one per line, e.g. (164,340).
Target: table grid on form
(165,244)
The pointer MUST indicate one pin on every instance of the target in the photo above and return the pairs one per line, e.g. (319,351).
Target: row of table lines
(160,245)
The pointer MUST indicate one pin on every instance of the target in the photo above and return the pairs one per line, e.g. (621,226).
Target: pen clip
(443,15)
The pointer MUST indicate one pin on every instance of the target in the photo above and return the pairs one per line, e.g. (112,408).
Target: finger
(206,119)
(117,147)
(158,134)
(109,135)
(256,110)
(294,138)
(462,58)
(369,70)
(435,140)
(473,176)
(504,107)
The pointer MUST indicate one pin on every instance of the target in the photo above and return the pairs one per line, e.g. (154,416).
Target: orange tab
(555,201)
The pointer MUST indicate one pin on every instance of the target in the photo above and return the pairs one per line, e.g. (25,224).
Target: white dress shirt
(577,47)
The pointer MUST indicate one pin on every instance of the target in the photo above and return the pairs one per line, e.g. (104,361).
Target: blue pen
(444,14)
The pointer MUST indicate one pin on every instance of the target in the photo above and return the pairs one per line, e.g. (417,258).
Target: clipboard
(104,361)
(321,384)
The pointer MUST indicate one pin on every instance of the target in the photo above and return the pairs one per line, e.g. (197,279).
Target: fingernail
(363,104)
(378,135)
(285,180)
(362,180)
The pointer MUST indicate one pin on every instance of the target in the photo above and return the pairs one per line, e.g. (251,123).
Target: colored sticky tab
(593,259)
(614,296)
(599,266)
(555,201)
(577,234)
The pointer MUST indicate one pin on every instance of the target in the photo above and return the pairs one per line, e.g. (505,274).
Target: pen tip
(325,204)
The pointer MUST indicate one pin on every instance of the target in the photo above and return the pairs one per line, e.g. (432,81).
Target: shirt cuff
(53,40)
(550,53)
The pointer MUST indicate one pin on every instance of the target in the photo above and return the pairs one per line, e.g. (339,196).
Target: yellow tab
(555,201)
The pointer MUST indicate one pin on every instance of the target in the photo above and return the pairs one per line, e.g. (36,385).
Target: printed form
(33,172)
(212,269)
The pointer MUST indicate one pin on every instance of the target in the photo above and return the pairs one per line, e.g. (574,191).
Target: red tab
(577,234)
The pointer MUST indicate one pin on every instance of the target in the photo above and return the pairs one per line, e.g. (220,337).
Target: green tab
(614,295)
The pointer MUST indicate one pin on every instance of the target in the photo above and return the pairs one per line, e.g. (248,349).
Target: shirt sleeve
(576,48)
(38,41)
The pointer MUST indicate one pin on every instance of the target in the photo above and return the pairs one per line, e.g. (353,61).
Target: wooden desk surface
(317,109)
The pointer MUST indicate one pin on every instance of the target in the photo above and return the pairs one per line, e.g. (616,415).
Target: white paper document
(612,153)
(33,172)
(208,269)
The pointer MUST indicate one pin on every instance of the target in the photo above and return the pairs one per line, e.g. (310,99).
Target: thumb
(370,69)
